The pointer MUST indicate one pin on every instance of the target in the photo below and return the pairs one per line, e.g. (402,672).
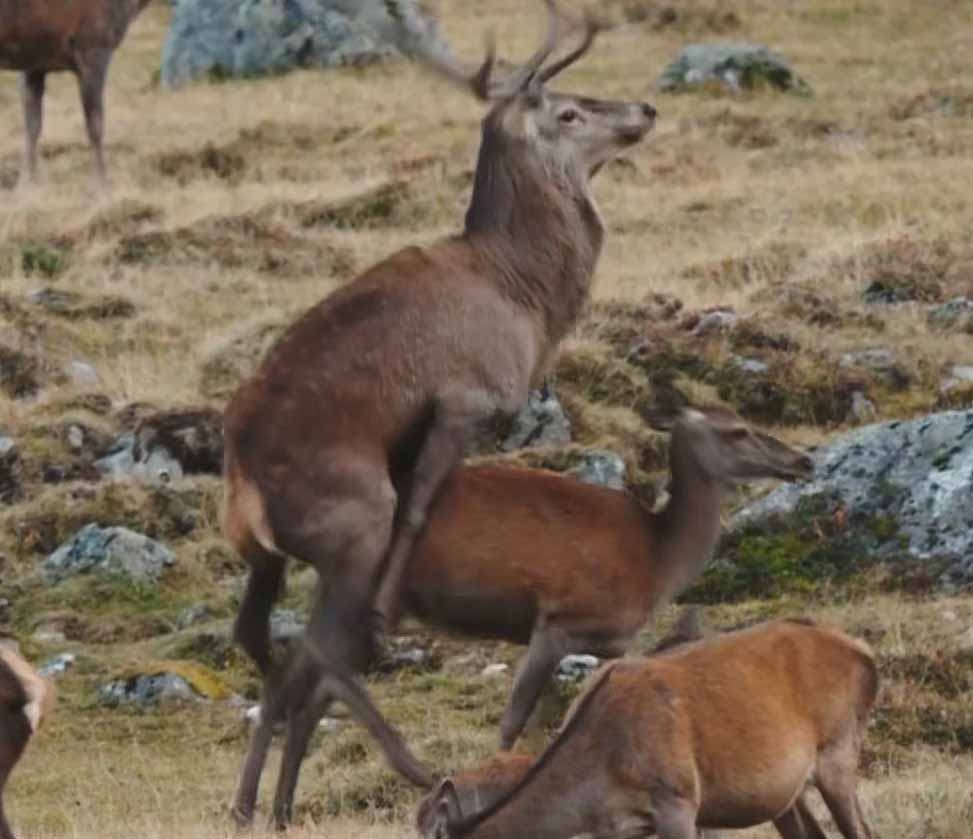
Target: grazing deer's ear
(448,811)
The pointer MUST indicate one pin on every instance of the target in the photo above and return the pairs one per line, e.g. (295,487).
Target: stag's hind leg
(799,822)
(92,74)
(455,421)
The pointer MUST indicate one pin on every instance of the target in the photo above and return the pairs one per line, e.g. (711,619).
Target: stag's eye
(568,116)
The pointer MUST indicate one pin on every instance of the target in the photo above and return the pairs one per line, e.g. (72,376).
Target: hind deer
(25,701)
(727,732)
(38,37)
(337,446)
(532,557)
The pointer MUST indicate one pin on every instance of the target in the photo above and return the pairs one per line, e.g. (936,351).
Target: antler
(591,28)
(480,81)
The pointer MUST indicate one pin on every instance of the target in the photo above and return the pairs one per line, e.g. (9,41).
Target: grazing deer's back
(507,535)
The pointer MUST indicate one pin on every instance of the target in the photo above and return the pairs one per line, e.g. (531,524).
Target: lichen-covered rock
(954,315)
(734,66)
(156,466)
(576,668)
(110,551)
(604,468)
(234,38)
(541,422)
(165,681)
(907,487)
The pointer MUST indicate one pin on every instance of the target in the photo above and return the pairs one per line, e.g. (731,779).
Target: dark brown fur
(38,37)
(19,687)
(727,732)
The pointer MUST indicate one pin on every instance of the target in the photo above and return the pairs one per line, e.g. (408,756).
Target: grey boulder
(735,66)
(916,474)
(247,38)
(108,551)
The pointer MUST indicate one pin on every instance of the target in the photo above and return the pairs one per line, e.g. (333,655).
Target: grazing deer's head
(727,450)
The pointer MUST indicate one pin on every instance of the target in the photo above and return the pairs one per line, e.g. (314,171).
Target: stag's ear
(448,811)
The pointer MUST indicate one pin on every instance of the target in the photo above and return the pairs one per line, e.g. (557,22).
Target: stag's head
(566,133)
(728,450)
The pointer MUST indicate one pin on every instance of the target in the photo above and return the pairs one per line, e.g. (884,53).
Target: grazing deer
(532,557)
(38,37)
(337,446)
(25,700)
(727,732)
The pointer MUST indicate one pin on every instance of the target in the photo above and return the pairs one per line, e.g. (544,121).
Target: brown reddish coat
(727,732)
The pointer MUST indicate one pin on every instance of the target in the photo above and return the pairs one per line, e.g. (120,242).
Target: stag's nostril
(649,111)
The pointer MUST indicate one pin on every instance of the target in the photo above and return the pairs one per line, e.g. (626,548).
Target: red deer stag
(532,557)
(38,37)
(337,446)
(727,732)
(25,700)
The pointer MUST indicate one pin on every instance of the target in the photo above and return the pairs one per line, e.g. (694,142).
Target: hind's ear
(448,811)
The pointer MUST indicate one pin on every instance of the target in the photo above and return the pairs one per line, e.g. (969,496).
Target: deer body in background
(727,732)
(38,37)
(337,446)
(25,701)
(533,557)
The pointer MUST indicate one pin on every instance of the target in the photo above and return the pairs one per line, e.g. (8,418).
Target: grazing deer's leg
(534,674)
(675,818)
(15,731)
(836,777)
(92,72)
(799,823)
(32,96)
(454,423)
(245,798)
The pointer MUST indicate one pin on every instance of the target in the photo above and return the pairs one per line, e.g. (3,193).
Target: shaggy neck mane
(539,228)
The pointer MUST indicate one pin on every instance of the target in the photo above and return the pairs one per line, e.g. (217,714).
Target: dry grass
(236,205)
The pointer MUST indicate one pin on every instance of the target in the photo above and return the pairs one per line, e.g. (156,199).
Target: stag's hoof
(241,816)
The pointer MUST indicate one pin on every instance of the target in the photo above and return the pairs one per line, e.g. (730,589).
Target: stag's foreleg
(836,777)
(455,422)
(32,97)
(92,74)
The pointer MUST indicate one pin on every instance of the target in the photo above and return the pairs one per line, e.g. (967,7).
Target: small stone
(714,323)
(285,625)
(191,615)
(154,466)
(76,437)
(492,671)
(862,408)
(955,314)
(49,634)
(58,665)
(541,422)
(603,468)
(949,615)
(148,690)
(882,363)
(576,668)
(965,641)
(81,373)
(751,365)
(957,376)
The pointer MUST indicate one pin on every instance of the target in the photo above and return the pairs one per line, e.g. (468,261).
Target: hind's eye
(568,116)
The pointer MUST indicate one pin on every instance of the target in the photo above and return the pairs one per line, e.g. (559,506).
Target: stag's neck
(687,529)
(539,230)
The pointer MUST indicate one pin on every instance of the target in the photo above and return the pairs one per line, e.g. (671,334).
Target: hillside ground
(235,205)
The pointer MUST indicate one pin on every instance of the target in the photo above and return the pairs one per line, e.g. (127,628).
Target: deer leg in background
(454,423)
(15,731)
(799,822)
(92,72)
(302,718)
(32,97)
(534,674)
(675,818)
(836,777)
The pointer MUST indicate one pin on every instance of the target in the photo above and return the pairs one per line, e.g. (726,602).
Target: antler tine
(440,59)
(591,28)
(534,63)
